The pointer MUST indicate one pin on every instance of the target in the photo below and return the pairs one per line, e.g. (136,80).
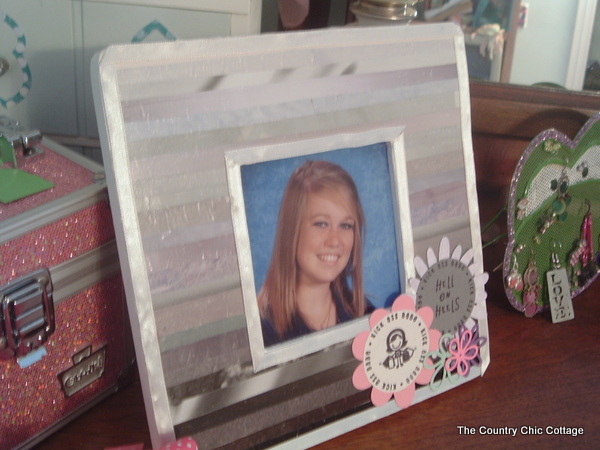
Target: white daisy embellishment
(452,285)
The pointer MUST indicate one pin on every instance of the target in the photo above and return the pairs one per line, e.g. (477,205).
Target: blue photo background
(264,183)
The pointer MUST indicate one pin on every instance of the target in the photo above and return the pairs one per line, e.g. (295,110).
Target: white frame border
(262,357)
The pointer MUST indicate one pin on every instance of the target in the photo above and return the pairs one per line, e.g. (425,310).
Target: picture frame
(169,114)
(383,191)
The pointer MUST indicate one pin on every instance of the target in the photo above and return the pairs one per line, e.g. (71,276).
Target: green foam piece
(16,184)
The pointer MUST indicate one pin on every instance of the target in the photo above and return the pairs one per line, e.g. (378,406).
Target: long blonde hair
(277,298)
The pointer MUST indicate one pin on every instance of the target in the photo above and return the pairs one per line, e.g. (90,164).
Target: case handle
(26,314)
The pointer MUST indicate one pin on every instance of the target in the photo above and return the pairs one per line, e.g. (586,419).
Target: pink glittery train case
(64,336)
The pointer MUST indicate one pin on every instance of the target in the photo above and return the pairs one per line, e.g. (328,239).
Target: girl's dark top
(300,328)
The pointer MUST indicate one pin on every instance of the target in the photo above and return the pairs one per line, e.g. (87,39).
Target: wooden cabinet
(48,46)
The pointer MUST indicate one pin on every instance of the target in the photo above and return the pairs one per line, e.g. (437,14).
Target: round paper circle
(448,288)
(395,351)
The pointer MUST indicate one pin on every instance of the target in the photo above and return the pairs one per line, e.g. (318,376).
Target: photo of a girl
(315,278)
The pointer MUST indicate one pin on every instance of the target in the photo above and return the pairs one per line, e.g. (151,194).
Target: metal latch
(26,314)
(20,139)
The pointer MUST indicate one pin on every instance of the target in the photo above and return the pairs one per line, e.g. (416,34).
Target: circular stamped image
(448,288)
(393,354)
(395,350)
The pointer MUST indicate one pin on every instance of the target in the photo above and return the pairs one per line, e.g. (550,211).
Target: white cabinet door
(109,23)
(37,42)
(48,46)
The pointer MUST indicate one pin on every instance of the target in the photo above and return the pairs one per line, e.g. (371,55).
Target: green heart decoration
(553,216)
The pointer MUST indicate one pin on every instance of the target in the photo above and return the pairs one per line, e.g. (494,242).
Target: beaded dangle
(583,264)
(586,235)
(532,288)
(588,261)
(598,255)
(563,199)
(514,280)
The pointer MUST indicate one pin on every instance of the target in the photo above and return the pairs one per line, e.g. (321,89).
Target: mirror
(543,53)
(544,42)
(553,43)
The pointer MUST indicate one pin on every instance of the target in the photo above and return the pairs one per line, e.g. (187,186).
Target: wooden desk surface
(543,378)
(541,375)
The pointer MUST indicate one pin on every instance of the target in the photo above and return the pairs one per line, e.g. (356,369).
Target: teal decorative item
(19,54)
(154,26)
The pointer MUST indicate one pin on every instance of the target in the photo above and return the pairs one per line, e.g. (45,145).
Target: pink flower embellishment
(186,443)
(463,351)
(393,352)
